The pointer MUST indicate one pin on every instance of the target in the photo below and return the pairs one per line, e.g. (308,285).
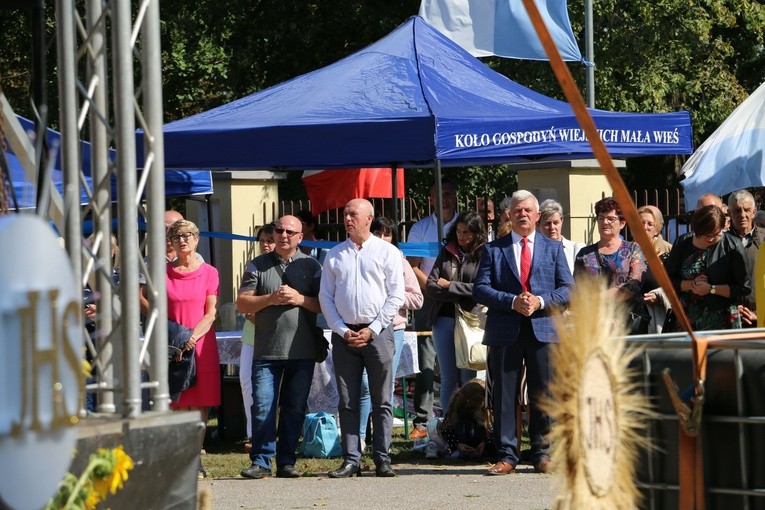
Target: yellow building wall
(242,202)
(576,184)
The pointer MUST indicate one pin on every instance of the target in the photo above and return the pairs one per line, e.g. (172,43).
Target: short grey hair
(521,195)
(550,207)
(740,195)
(505,203)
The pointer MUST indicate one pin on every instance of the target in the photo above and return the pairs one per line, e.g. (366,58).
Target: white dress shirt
(362,285)
(426,231)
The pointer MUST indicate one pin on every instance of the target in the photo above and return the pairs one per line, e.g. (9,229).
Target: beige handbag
(470,353)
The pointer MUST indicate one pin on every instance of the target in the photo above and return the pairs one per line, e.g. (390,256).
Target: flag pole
(589,52)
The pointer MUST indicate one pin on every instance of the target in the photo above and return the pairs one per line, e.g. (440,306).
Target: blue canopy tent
(178,183)
(25,193)
(411,99)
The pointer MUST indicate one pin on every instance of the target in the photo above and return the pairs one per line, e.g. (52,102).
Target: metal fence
(669,201)
(732,424)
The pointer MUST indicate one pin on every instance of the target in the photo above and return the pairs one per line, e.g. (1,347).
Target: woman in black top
(709,271)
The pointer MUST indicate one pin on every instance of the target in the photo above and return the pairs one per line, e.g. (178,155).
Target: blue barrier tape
(409,249)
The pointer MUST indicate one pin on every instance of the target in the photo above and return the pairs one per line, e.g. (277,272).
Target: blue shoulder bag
(321,438)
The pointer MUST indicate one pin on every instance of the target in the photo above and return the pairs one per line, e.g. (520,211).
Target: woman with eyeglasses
(620,262)
(192,301)
(708,269)
(451,281)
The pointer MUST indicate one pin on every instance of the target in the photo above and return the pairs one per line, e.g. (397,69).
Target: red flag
(331,189)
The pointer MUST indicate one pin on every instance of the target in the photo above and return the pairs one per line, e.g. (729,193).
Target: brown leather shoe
(501,468)
(543,466)
(418,433)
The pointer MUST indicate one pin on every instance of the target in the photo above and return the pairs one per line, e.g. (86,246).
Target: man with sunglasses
(362,289)
(280,290)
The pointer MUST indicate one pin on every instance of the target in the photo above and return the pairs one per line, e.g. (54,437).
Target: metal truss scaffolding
(109,84)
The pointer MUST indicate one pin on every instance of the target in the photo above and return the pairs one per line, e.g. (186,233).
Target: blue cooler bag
(320,437)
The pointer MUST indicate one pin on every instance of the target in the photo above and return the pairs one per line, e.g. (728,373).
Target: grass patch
(226,458)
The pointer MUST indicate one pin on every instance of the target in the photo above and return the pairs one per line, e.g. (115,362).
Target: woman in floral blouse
(620,262)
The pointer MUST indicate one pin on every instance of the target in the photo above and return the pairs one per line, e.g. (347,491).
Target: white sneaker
(362,445)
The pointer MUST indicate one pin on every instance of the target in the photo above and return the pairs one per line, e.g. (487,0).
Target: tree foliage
(703,56)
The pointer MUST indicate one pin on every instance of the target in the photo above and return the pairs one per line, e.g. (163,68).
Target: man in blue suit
(521,277)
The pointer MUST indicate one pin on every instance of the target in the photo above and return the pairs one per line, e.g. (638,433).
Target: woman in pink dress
(192,300)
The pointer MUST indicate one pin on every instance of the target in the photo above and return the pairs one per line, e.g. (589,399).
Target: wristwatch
(712,289)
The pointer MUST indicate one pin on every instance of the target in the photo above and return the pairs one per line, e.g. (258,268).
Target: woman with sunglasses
(620,262)
(192,301)
(708,269)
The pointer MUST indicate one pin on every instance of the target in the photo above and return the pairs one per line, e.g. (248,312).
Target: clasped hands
(700,285)
(286,295)
(526,304)
(359,338)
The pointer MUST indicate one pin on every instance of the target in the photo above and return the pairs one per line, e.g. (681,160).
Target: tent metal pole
(439,202)
(210,244)
(394,193)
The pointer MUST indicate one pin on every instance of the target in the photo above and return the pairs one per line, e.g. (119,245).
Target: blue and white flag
(501,27)
(733,157)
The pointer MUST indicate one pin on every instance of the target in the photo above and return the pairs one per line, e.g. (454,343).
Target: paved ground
(448,486)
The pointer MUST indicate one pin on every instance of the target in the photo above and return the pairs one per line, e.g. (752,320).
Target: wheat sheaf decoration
(598,408)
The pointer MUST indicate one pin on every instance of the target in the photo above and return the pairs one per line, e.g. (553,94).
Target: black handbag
(322,345)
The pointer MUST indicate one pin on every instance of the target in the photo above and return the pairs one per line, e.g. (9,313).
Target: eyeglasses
(608,219)
(287,231)
(712,238)
(185,237)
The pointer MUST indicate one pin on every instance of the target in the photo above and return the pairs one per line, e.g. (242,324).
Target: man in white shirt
(426,230)
(362,289)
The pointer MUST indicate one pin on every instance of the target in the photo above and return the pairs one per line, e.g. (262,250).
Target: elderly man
(280,289)
(426,230)
(362,289)
(520,278)
(742,211)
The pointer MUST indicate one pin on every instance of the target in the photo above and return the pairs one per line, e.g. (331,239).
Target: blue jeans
(451,376)
(283,385)
(365,402)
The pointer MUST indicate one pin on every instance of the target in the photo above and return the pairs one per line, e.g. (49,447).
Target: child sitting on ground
(465,431)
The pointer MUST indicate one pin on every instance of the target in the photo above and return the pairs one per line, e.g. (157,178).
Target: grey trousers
(426,358)
(377,358)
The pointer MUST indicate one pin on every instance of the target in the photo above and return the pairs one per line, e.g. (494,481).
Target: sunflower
(112,471)
(92,499)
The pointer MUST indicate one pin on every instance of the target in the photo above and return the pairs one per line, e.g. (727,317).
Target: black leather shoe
(287,471)
(383,469)
(256,472)
(345,471)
